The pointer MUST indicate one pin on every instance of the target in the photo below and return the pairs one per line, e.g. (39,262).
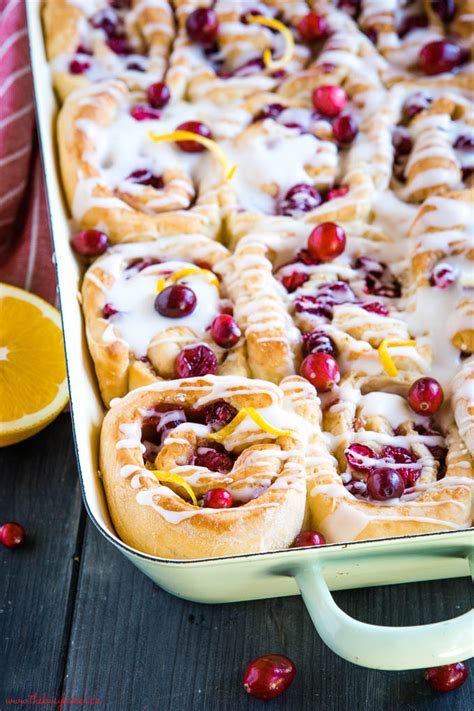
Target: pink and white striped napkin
(25,240)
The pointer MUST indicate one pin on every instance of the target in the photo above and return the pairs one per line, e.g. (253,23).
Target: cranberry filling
(270,111)
(363,460)
(328,295)
(202,26)
(293,281)
(109,311)
(78,67)
(401,141)
(412,22)
(442,276)
(219,414)
(445,9)
(156,426)
(465,142)
(146,177)
(194,127)
(379,281)
(376,307)
(194,361)
(385,483)
(119,45)
(352,7)
(144,112)
(299,199)
(108,21)
(214,457)
(318,342)
(313,27)
(140,264)
(415,104)
(440,56)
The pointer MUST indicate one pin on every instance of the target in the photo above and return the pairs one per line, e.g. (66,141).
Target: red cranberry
(329,100)
(195,361)
(321,370)
(82,49)
(90,243)
(445,9)
(337,192)
(385,484)
(109,311)
(158,94)
(352,7)
(225,331)
(271,111)
(447,678)
(144,112)
(176,301)
(78,67)
(357,456)
(318,342)
(300,198)
(425,396)
(202,26)
(440,56)
(401,141)
(415,104)
(369,265)
(12,534)
(400,455)
(308,538)
(135,67)
(106,20)
(442,276)
(269,676)
(376,307)
(119,45)
(293,281)
(327,241)
(464,142)
(345,129)
(194,127)
(146,177)
(312,27)
(311,305)
(140,264)
(219,414)
(217,499)
(356,487)
(214,458)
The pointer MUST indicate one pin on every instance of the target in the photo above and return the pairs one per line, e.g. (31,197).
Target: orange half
(33,385)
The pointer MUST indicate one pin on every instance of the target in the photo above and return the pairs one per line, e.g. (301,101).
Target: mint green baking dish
(311,572)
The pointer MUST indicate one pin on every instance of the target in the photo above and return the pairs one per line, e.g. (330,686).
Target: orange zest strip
(170,478)
(251,412)
(190,271)
(229,171)
(269,62)
(385,357)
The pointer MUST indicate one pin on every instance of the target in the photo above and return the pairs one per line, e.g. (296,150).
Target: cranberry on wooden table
(448,677)
(90,243)
(267,677)
(12,534)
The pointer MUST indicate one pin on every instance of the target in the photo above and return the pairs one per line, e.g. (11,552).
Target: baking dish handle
(378,647)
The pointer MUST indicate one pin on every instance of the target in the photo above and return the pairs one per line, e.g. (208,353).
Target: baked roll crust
(267,478)
(131,342)
(104,152)
(370,430)
(98,40)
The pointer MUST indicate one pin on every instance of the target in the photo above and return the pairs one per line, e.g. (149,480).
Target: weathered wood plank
(136,647)
(39,489)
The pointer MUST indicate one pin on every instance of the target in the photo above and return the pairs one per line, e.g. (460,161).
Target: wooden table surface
(76,618)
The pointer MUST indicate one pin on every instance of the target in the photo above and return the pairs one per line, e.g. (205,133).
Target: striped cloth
(25,241)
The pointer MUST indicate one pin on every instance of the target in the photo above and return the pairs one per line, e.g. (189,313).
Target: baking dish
(311,572)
